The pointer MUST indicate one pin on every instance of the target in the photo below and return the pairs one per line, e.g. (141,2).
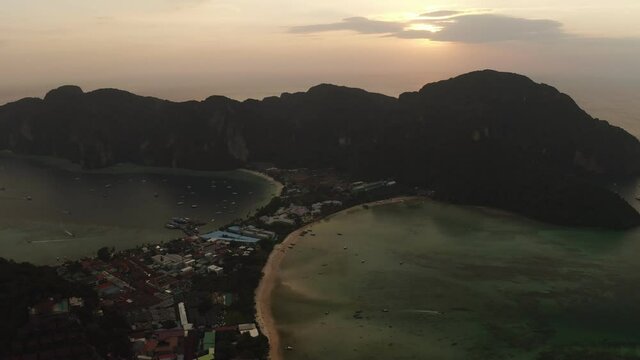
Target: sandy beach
(278,185)
(264,316)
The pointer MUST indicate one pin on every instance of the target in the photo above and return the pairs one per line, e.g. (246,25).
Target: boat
(180,202)
(194,206)
(67,232)
(28,197)
(288,347)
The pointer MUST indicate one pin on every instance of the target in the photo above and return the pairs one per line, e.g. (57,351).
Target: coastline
(279,186)
(264,316)
(40,240)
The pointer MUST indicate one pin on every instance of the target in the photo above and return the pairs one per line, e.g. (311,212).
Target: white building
(278,219)
(215,269)
(168,260)
(248,328)
(182,311)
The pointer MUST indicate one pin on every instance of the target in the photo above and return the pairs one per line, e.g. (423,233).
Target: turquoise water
(437,281)
(123,206)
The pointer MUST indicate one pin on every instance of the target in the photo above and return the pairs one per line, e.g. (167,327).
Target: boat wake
(428,312)
(50,241)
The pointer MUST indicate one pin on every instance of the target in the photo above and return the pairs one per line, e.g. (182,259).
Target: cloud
(479,28)
(441,14)
(360,25)
(462,27)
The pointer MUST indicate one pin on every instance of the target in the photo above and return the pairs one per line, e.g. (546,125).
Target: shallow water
(123,206)
(457,283)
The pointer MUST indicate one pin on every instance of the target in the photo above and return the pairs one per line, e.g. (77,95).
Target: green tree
(104,254)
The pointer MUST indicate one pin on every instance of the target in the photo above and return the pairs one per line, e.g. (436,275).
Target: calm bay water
(437,281)
(123,206)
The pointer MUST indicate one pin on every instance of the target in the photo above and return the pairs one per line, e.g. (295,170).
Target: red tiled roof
(164,334)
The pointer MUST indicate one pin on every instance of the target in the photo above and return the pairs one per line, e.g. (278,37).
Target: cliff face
(104,127)
(484,138)
(513,110)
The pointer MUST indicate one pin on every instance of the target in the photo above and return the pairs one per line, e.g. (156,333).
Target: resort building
(248,329)
(168,260)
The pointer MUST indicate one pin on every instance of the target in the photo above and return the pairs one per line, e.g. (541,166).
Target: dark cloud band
(467,28)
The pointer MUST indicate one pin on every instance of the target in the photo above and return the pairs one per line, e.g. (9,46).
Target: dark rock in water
(484,138)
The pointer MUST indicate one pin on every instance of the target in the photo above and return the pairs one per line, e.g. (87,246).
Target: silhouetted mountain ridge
(483,138)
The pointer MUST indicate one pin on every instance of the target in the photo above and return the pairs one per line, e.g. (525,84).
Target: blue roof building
(229,236)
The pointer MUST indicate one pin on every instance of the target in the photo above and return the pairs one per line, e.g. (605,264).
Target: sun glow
(425,27)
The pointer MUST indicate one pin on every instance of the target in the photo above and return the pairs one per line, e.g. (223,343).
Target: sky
(190,49)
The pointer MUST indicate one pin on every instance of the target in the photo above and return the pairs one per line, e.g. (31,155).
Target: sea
(52,210)
(428,280)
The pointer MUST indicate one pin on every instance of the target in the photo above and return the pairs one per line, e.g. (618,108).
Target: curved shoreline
(264,315)
(279,186)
